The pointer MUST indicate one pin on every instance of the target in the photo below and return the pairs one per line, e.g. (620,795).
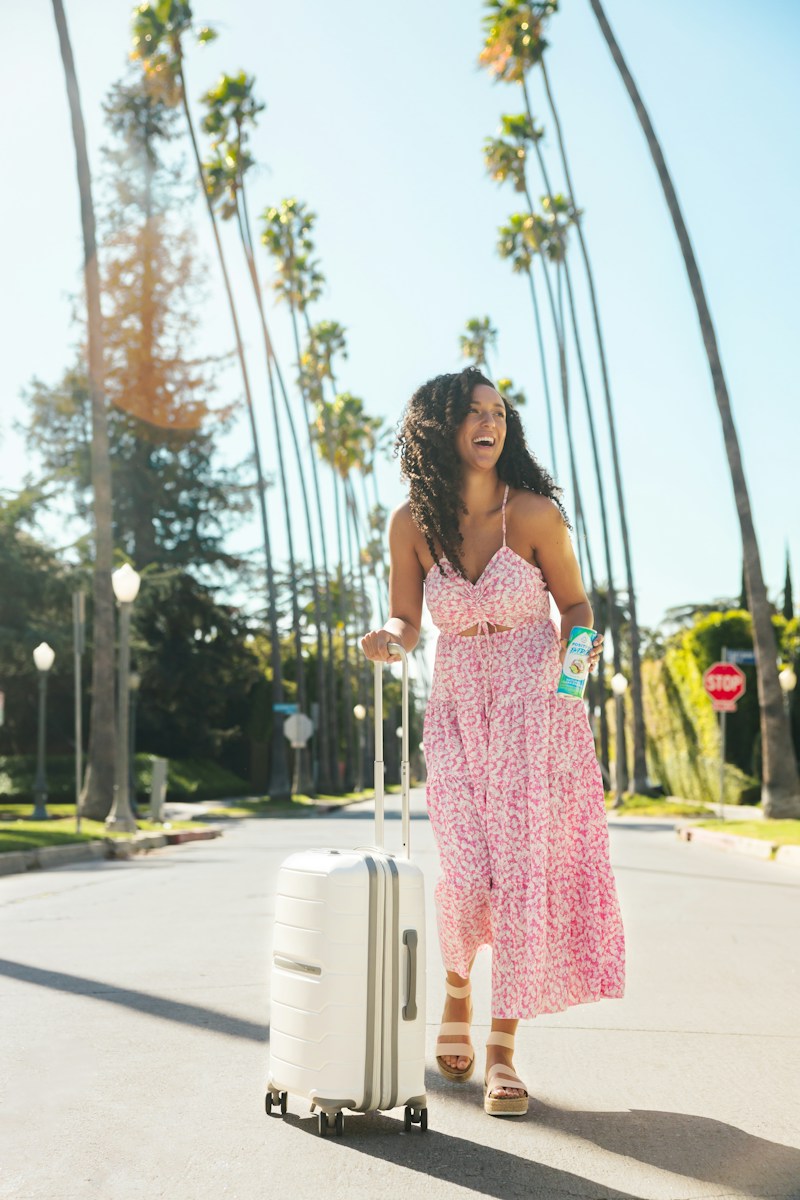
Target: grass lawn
(780,832)
(58,831)
(300,804)
(636,805)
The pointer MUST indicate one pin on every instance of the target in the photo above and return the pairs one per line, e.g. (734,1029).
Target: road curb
(192,835)
(752,847)
(56,856)
(46,857)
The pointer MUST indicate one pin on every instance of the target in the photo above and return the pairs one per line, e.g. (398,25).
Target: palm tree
(158,31)
(514,245)
(350,424)
(286,233)
(780,784)
(97,791)
(514,44)
(514,394)
(232,110)
(480,338)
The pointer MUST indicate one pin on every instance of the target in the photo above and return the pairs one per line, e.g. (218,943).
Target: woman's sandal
(501,1076)
(457,1049)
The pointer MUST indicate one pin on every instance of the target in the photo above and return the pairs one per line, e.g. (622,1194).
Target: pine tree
(172,502)
(788,599)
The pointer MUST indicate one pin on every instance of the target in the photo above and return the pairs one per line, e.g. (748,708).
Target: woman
(514,790)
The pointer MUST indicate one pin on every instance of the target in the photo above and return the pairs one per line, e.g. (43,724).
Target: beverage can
(575,668)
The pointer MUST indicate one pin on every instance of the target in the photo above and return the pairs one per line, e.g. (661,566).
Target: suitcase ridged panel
(318,1021)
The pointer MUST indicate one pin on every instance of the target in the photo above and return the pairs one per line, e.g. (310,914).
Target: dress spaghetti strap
(505,497)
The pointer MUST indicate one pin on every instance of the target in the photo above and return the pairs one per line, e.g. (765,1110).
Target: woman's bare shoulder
(532,511)
(400,519)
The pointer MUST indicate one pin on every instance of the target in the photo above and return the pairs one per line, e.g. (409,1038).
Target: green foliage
(35,606)
(683,730)
(187,779)
(198,671)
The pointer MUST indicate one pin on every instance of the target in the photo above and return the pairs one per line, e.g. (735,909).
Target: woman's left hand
(594,653)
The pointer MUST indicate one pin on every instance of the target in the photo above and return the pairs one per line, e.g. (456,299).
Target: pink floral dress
(515,798)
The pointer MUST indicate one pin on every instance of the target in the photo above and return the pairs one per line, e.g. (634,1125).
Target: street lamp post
(134,683)
(79,640)
(43,657)
(360,713)
(125,582)
(619,686)
(788,681)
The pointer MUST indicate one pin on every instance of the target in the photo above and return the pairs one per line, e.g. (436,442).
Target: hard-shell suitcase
(347,1024)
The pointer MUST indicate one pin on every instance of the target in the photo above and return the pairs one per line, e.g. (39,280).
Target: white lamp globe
(125,582)
(619,684)
(44,656)
(787,679)
(359,712)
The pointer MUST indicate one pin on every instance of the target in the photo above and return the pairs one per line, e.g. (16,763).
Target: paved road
(134,1013)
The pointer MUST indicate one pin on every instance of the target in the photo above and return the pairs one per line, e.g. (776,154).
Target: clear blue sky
(376,118)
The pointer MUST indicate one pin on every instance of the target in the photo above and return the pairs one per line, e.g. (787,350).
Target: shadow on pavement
(144,1002)
(698,1148)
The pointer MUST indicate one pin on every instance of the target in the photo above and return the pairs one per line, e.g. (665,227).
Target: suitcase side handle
(405,770)
(410,1007)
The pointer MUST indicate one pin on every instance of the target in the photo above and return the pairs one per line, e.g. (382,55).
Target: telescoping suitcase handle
(405,771)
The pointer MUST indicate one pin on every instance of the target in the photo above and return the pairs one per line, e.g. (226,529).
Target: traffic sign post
(298,728)
(725,684)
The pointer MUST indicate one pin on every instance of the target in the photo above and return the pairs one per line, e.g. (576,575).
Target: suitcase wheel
(275,1098)
(328,1121)
(415,1117)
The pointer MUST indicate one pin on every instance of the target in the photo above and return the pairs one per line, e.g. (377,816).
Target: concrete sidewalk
(135,1001)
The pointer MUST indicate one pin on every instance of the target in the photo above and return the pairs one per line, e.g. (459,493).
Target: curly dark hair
(429,461)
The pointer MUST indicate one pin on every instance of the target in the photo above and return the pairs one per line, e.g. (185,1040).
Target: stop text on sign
(725,684)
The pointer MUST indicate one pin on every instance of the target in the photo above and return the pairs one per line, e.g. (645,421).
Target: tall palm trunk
(279,782)
(545,374)
(640,780)
(601,499)
(363,669)
(375,563)
(331,663)
(98,788)
(780,792)
(557,313)
(635,671)
(306,783)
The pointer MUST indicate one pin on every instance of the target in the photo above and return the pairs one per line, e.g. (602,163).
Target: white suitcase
(347,1026)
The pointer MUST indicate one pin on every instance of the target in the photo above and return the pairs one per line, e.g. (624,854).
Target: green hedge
(683,739)
(187,779)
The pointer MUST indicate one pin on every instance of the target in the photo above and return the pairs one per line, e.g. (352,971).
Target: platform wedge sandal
(501,1076)
(457,1049)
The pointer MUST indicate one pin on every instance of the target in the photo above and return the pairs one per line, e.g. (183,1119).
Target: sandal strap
(455,1048)
(501,1039)
(454,1027)
(458,992)
(510,1079)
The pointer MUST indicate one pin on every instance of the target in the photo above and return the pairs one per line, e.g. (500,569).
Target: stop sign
(725,684)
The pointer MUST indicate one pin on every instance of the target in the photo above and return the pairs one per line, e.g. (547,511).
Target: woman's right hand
(375,643)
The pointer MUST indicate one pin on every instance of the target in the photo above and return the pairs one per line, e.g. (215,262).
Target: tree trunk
(780,791)
(98,786)
(545,379)
(307,785)
(280,784)
(639,756)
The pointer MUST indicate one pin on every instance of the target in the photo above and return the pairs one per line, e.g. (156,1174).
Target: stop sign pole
(725,683)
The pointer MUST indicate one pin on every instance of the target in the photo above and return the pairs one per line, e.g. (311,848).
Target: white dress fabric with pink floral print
(515,798)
